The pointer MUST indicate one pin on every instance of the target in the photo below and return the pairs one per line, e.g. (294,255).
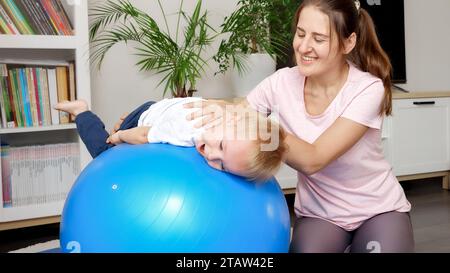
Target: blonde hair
(264,163)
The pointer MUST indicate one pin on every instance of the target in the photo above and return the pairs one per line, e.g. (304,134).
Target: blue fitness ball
(163,198)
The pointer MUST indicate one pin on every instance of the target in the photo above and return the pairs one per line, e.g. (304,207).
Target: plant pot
(260,66)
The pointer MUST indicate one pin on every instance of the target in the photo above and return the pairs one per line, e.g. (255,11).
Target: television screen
(389,19)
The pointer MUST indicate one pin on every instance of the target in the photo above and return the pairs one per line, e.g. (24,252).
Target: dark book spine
(34,6)
(30,16)
(47,17)
(64,17)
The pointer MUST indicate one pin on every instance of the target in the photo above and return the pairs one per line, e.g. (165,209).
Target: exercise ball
(164,198)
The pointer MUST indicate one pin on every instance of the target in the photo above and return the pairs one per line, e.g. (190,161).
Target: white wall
(119,86)
(427,37)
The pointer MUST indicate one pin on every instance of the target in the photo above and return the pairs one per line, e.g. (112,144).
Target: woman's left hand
(210,113)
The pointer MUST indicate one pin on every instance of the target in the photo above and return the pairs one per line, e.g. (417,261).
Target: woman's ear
(350,43)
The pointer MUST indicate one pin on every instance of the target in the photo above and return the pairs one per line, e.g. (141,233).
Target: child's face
(223,149)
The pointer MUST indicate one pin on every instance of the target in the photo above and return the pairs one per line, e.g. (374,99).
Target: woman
(332,104)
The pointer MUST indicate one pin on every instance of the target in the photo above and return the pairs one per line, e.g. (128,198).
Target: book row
(41,17)
(29,92)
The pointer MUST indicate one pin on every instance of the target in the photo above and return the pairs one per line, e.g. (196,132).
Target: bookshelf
(41,50)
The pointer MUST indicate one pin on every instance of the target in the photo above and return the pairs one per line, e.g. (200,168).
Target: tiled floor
(430,216)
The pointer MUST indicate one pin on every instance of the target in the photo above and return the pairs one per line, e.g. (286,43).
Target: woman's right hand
(117,125)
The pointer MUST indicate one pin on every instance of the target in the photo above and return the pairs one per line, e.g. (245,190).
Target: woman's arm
(334,142)
(137,135)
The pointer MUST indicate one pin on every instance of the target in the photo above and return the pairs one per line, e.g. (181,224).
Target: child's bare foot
(74,107)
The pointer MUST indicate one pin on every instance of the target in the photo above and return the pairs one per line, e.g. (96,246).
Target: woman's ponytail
(369,56)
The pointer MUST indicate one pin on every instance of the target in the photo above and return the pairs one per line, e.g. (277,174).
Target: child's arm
(137,135)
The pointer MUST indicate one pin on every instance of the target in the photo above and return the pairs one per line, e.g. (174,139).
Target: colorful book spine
(30,16)
(25,97)
(38,94)
(8,115)
(9,26)
(61,12)
(6,176)
(16,97)
(29,92)
(17,17)
(42,17)
(50,11)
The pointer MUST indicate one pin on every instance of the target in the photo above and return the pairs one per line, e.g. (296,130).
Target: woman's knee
(312,235)
(388,233)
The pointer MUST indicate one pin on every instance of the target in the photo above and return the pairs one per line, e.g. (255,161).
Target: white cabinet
(419,135)
(40,49)
(287,178)
(416,138)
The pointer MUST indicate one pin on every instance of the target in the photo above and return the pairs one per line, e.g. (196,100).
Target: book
(65,21)
(52,15)
(46,96)
(53,94)
(7,111)
(5,175)
(72,86)
(63,91)
(29,16)
(17,17)
(39,95)
(42,17)
(16,97)
(6,22)
(23,85)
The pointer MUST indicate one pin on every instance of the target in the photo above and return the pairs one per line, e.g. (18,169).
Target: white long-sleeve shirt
(168,122)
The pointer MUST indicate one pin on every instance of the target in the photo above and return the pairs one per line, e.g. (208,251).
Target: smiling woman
(332,104)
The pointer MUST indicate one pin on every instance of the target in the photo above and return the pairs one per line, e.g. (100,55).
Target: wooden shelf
(30,222)
(420,95)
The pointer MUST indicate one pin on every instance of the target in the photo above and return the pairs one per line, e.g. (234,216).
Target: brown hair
(269,151)
(368,55)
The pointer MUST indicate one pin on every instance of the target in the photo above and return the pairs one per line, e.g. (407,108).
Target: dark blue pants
(92,130)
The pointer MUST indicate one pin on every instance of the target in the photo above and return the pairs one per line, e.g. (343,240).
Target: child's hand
(114,138)
(136,135)
(118,123)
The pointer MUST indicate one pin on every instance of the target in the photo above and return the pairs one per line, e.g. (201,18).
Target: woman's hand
(208,112)
(212,112)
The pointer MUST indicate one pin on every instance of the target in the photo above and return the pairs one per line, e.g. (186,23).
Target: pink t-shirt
(358,185)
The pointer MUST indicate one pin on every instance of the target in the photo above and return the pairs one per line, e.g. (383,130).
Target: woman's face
(316,49)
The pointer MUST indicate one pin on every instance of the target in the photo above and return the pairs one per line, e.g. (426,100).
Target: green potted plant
(259,33)
(180,59)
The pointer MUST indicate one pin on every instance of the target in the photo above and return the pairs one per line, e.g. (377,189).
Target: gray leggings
(389,232)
